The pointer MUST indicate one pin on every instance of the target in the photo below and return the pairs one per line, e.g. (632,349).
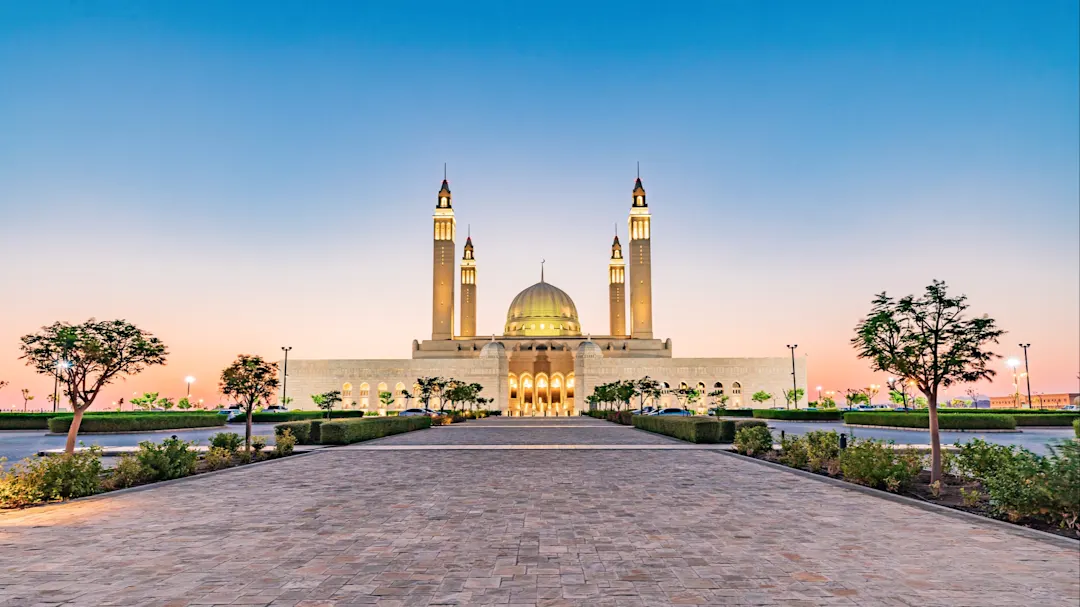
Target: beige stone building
(543,363)
(1042,401)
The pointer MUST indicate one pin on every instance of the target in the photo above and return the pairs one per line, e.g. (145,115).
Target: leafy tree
(460,392)
(648,389)
(920,402)
(897,398)
(798,394)
(856,396)
(624,391)
(761,396)
(286,401)
(687,396)
(326,401)
(432,387)
(184,403)
(97,353)
(249,380)
(828,403)
(930,340)
(145,402)
(166,403)
(407,396)
(387,399)
(26,397)
(898,387)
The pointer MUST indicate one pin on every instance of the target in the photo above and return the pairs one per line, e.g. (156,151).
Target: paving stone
(602,527)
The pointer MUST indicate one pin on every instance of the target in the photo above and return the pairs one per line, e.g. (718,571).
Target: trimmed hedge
(127,422)
(40,420)
(952,421)
(799,414)
(306,432)
(694,429)
(728,428)
(347,431)
(290,416)
(738,413)
(1048,419)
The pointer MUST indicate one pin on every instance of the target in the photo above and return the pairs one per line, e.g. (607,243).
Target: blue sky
(240,174)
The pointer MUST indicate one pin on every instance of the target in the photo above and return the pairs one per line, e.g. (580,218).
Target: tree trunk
(73,431)
(935,439)
(247,432)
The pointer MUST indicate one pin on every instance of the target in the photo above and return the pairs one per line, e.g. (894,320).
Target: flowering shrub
(50,478)
(284,443)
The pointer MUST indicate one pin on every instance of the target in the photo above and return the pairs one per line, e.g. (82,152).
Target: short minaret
(617,289)
(442,284)
(640,265)
(468,291)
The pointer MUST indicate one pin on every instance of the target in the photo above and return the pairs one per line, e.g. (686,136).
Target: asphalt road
(1033,439)
(17,444)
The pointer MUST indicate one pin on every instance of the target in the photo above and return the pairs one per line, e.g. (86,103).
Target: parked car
(645,411)
(275,409)
(902,409)
(417,412)
(671,411)
(1071,408)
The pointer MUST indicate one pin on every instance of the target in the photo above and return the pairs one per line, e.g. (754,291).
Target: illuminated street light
(189,380)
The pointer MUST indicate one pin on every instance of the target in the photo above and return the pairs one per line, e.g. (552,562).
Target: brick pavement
(507,527)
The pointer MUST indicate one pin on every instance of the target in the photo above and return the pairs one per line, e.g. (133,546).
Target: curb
(1033,534)
(136,431)
(149,486)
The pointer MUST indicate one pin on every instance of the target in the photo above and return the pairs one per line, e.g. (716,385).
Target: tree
(920,402)
(624,391)
(687,396)
(898,386)
(146,402)
(930,340)
(648,389)
(387,399)
(97,353)
(4,384)
(166,403)
(460,392)
(26,397)
(828,402)
(761,396)
(249,380)
(799,393)
(286,401)
(856,396)
(184,403)
(430,386)
(326,401)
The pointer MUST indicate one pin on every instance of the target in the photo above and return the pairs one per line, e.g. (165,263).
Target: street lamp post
(819,395)
(189,380)
(794,384)
(285,376)
(1027,374)
(1012,363)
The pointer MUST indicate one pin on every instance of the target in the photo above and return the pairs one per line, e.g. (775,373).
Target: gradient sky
(238,176)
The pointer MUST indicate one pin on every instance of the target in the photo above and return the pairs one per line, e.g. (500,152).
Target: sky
(239,176)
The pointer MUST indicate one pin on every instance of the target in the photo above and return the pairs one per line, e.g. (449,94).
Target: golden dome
(542,310)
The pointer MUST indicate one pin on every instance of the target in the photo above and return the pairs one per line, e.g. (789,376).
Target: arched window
(346,390)
(736,388)
(682,385)
(665,385)
(399,399)
(718,386)
(382,387)
(365,392)
(701,386)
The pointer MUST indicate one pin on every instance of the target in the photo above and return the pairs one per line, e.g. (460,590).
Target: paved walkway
(517,527)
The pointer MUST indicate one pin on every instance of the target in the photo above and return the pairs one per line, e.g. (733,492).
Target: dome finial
(542,261)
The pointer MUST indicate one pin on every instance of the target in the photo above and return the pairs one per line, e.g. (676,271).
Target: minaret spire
(640,243)
(468,290)
(617,288)
(442,283)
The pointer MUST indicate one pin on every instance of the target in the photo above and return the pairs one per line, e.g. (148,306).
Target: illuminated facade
(542,364)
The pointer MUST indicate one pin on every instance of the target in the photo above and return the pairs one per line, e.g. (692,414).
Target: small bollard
(781,436)
(843,441)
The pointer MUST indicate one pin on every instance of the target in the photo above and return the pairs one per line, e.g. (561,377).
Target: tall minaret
(617,289)
(442,284)
(640,265)
(468,291)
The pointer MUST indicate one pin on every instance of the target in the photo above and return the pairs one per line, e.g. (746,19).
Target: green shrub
(728,428)
(876,464)
(134,422)
(441,420)
(753,440)
(794,451)
(218,458)
(822,450)
(799,414)
(229,441)
(694,429)
(951,421)
(173,458)
(1045,419)
(456,418)
(347,431)
(737,413)
(127,472)
(1076,427)
(258,443)
(290,416)
(284,442)
(979,459)
(50,478)
(26,421)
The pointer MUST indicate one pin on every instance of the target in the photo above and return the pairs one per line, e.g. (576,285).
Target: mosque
(541,364)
